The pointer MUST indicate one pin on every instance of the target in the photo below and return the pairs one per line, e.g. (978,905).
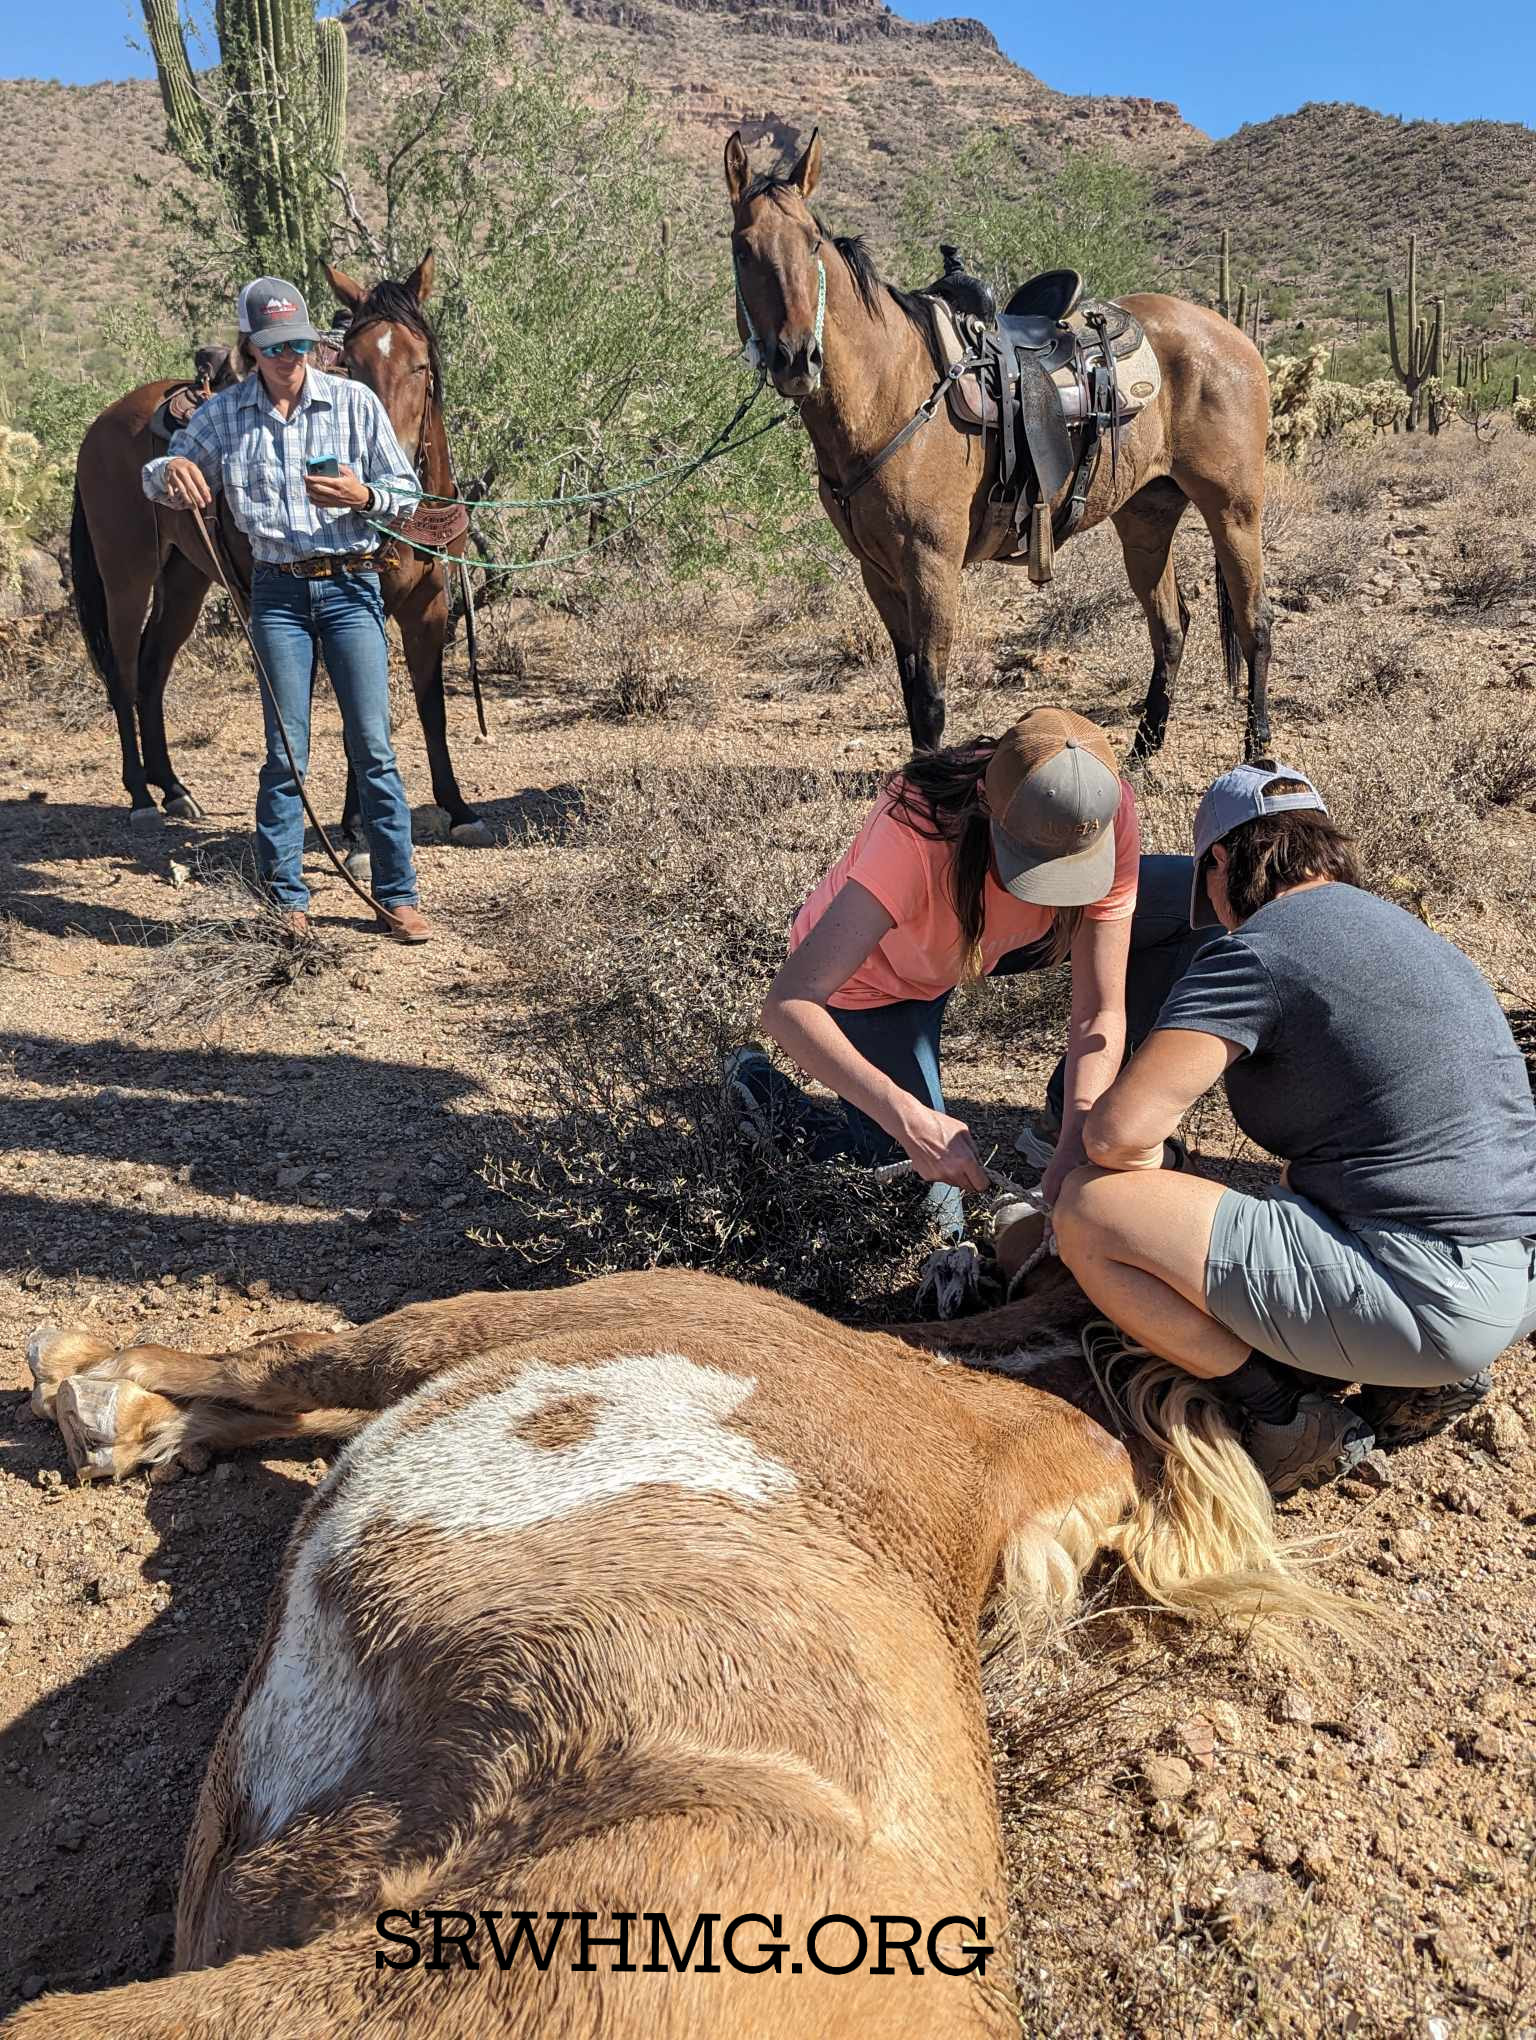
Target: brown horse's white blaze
(918,521)
(658,1596)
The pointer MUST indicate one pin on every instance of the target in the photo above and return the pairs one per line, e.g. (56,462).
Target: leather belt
(325,566)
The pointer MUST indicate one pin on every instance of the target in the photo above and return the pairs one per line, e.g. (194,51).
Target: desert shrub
(1304,406)
(1318,571)
(651,678)
(34,493)
(1351,483)
(1288,497)
(1495,767)
(232,956)
(1523,411)
(1011,216)
(642,964)
(1482,569)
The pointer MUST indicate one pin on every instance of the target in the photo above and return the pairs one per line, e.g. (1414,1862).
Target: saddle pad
(1138,374)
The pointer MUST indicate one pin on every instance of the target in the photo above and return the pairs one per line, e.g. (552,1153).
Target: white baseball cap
(1236,797)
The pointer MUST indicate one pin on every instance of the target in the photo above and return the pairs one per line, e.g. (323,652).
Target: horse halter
(755,354)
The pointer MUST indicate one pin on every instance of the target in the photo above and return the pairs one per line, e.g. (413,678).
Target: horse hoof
(52,1356)
(359,866)
(471,835)
(146,818)
(183,808)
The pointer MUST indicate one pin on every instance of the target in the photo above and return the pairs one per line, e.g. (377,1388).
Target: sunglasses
(298,347)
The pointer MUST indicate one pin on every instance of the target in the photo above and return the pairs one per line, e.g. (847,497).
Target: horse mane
(390,303)
(860,262)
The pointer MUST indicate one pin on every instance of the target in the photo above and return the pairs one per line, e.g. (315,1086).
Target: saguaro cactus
(1418,358)
(1224,282)
(268,126)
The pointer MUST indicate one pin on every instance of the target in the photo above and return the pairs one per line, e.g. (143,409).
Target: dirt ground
(1202,1844)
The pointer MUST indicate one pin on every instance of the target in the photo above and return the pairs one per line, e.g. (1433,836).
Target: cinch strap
(754,354)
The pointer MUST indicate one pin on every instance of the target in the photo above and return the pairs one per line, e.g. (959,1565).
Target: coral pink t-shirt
(923,957)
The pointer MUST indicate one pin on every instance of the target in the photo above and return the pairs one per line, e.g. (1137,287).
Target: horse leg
(128,602)
(1244,612)
(423,620)
(1146,526)
(933,590)
(178,602)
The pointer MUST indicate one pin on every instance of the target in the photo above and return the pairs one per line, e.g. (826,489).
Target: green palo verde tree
(584,307)
(1009,219)
(264,129)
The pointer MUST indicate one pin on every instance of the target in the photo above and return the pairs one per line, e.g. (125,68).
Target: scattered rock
(1488,1745)
(1167,1778)
(1374,1471)
(1496,1430)
(15,1614)
(1278,1851)
(1460,1501)
(1256,1894)
(1317,1861)
(1197,1739)
(1227,1721)
(108,1587)
(69,1834)
(1494,1703)
(1294,1706)
(1409,1545)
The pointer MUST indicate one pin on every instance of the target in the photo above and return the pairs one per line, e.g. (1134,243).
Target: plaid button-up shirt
(257,458)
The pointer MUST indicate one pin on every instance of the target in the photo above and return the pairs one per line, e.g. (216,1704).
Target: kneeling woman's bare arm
(1173,1067)
(795,1016)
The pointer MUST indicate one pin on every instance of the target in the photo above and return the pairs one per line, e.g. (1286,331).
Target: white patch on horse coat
(657,1420)
(386,340)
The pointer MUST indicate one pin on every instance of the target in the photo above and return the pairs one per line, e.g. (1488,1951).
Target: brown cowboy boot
(404,924)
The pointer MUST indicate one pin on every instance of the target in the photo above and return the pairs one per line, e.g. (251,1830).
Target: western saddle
(1055,375)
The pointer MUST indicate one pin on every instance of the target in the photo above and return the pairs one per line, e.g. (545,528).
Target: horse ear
(350,293)
(737,173)
(419,282)
(807,172)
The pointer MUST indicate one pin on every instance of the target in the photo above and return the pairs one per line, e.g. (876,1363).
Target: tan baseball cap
(1053,788)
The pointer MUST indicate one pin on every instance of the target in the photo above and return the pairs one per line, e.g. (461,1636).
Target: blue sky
(1223,61)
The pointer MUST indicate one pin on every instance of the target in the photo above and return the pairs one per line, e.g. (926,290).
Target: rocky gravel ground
(1202,1843)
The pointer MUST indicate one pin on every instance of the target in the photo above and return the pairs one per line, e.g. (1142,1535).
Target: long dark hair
(938,795)
(1268,856)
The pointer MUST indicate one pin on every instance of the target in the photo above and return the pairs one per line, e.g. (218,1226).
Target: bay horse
(862,368)
(626,1602)
(141,570)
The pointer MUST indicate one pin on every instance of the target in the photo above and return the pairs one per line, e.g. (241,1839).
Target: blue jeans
(902,1040)
(293,621)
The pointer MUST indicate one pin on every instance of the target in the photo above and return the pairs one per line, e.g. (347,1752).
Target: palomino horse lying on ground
(657,1596)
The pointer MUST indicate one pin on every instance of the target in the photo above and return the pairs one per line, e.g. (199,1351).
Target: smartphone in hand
(323,464)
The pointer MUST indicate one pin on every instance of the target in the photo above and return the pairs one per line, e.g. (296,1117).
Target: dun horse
(631,1602)
(141,570)
(916,522)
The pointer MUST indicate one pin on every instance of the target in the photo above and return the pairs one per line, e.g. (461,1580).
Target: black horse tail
(90,594)
(1231,643)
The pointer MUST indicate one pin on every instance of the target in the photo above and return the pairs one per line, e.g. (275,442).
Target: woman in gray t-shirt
(1399,1248)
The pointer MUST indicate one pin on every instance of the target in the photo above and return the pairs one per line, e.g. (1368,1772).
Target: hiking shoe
(745,1082)
(1404,1416)
(1321,1442)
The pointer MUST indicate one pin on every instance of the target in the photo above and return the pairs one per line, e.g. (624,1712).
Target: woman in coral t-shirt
(1000,854)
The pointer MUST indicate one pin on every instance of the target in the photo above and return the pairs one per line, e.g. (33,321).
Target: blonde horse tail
(1204,1543)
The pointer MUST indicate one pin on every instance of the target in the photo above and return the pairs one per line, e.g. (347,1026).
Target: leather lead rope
(339,864)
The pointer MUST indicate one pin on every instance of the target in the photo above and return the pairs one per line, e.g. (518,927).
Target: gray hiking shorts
(1376,1304)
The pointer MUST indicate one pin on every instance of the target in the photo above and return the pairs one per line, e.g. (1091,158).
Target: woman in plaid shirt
(315,587)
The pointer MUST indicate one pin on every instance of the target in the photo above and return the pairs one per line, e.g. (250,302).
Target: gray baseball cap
(1053,791)
(274,310)
(1236,797)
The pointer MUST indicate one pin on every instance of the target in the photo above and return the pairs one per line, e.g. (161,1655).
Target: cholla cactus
(272,129)
(1384,405)
(32,497)
(1295,381)
(1442,401)
(1525,413)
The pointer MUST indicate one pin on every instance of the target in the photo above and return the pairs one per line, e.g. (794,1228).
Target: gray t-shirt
(1376,1061)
